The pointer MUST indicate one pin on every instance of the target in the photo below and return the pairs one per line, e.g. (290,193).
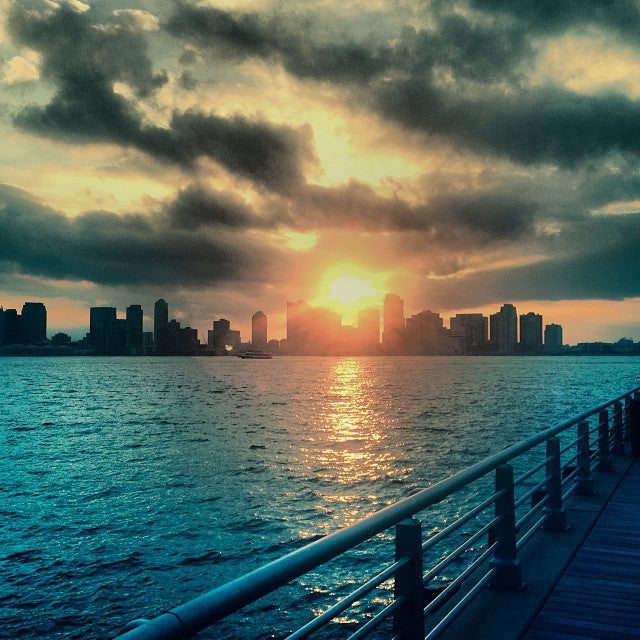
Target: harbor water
(130,485)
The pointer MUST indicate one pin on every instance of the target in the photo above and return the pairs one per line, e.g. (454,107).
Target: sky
(231,156)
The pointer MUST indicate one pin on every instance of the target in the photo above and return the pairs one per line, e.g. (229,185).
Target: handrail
(186,619)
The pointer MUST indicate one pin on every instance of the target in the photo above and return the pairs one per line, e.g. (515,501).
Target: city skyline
(390,313)
(382,325)
(226,156)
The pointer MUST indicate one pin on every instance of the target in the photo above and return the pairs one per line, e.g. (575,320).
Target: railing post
(508,572)
(604,452)
(634,425)
(555,513)
(584,482)
(627,419)
(618,434)
(408,621)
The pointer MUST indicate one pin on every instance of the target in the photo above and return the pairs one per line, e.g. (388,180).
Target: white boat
(255,354)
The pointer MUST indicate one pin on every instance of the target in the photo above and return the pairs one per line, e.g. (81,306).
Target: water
(128,486)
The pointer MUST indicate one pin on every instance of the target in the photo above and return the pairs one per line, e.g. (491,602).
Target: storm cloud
(595,258)
(460,80)
(84,61)
(110,249)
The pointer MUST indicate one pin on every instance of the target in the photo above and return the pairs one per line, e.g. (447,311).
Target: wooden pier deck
(598,596)
(583,584)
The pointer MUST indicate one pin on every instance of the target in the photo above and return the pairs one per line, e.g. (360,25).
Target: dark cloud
(552,16)
(539,125)
(196,207)
(109,249)
(308,48)
(84,60)
(268,154)
(239,35)
(72,46)
(465,218)
(461,79)
(187,81)
(594,258)
(283,38)
(464,49)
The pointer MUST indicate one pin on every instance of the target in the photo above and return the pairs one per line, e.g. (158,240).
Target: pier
(548,549)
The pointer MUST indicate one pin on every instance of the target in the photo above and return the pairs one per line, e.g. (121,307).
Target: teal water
(128,486)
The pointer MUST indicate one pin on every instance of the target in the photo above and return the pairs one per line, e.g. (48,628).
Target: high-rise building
(222,339)
(369,330)
(34,323)
(553,338)
(135,344)
(531,332)
(425,334)
(99,319)
(471,330)
(259,330)
(393,324)
(504,330)
(11,327)
(160,317)
(295,325)
(311,330)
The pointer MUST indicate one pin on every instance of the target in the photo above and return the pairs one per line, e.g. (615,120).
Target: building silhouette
(34,323)
(393,324)
(160,317)
(259,330)
(425,334)
(504,330)
(368,337)
(553,338)
(470,331)
(99,320)
(12,327)
(295,319)
(531,333)
(135,344)
(315,331)
(27,328)
(222,340)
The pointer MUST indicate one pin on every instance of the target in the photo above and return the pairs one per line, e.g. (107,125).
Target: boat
(255,354)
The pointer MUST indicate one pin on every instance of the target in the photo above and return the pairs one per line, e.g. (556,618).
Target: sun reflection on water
(346,450)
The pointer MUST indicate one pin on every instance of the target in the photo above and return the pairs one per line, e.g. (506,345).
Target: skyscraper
(34,322)
(99,319)
(369,330)
(222,339)
(11,327)
(135,345)
(471,330)
(259,330)
(531,332)
(295,323)
(425,334)
(160,318)
(393,320)
(504,330)
(553,338)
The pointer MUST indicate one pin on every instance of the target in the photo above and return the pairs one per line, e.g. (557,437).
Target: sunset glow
(240,154)
(347,289)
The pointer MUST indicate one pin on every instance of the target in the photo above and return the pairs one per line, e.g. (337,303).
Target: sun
(350,289)
(347,289)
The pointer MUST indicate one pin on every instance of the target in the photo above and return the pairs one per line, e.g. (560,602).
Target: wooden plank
(599,595)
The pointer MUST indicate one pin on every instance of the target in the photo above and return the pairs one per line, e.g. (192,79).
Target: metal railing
(505,521)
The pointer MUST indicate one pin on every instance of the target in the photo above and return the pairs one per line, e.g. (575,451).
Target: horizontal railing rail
(501,518)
